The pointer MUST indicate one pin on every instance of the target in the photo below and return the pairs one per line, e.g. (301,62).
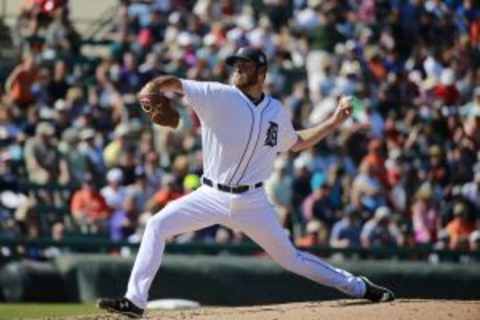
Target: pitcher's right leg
(192,212)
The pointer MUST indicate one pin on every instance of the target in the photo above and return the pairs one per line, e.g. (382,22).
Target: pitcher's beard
(243,81)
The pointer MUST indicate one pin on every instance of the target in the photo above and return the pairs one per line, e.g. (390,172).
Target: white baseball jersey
(240,139)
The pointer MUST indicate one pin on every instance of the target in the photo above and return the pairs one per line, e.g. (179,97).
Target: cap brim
(232,59)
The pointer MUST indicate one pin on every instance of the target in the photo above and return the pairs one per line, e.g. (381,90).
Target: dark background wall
(225,280)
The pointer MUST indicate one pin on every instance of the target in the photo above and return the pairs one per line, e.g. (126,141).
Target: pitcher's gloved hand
(159,109)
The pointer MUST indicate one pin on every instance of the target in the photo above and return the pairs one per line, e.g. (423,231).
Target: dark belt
(225,188)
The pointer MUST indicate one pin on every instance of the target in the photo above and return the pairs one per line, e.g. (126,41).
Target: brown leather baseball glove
(159,109)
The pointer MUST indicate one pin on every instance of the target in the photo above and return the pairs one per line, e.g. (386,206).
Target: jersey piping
(256,142)
(247,145)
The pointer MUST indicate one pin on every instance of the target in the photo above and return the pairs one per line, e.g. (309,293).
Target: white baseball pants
(251,213)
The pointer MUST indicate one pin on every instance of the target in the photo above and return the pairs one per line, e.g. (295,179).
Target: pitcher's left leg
(263,227)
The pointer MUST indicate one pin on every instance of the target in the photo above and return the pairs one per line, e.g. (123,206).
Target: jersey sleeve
(287,134)
(204,97)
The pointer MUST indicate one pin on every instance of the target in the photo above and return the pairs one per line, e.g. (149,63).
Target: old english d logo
(272,133)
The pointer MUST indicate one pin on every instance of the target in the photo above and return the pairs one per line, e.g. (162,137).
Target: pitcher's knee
(288,259)
(158,225)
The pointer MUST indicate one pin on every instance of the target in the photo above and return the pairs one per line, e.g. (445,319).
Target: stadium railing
(92,244)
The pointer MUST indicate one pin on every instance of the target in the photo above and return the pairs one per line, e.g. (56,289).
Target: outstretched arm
(311,136)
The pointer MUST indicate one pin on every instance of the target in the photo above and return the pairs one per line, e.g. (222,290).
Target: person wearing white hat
(114,193)
(91,151)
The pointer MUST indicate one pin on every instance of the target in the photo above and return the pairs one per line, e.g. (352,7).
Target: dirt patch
(339,310)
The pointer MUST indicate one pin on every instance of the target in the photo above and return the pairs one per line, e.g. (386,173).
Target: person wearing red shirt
(446,91)
(19,83)
(89,208)
(168,192)
(376,160)
(460,228)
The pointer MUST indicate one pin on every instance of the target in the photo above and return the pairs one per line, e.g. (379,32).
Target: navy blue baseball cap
(248,54)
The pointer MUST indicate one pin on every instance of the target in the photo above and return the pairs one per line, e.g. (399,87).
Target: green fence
(224,280)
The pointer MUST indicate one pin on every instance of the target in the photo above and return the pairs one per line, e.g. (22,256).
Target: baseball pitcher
(243,129)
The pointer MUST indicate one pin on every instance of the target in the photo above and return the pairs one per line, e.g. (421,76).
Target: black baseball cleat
(121,306)
(376,293)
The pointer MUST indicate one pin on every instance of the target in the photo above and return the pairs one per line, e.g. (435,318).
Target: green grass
(11,311)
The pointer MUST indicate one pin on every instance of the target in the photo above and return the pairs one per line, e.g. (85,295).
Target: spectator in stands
(61,116)
(180,166)
(146,144)
(472,107)
(92,152)
(153,170)
(318,205)
(396,179)
(316,234)
(368,191)
(446,90)
(58,87)
(346,232)
(89,208)
(460,228)
(168,192)
(76,161)
(116,147)
(130,80)
(376,160)
(57,235)
(471,190)
(425,216)
(437,166)
(335,179)
(301,186)
(472,131)
(128,163)
(9,130)
(19,83)
(140,191)
(279,190)
(381,230)
(8,176)
(43,161)
(123,221)
(114,192)
(28,219)
(61,36)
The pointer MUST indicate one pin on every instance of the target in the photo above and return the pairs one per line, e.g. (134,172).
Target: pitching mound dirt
(339,310)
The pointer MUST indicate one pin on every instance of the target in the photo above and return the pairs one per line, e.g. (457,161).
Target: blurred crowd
(403,172)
